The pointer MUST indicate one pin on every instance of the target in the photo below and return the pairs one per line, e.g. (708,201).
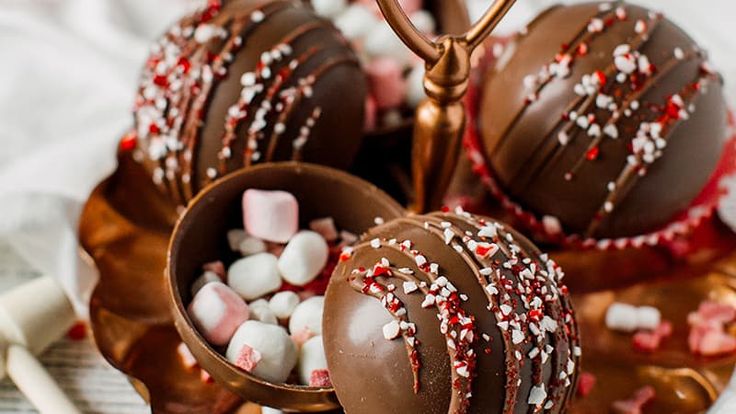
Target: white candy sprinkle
(563,138)
(376,243)
(537,395)
(410,287)
(679,54)
(391,330)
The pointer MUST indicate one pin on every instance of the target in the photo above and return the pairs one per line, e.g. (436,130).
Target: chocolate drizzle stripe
(582,36)
(631,172)
(551,147)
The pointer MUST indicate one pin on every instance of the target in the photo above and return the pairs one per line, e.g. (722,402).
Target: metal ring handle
(429,50)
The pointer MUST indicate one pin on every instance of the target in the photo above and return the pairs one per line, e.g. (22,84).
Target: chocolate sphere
(603,119)
(242,82)
(449,313)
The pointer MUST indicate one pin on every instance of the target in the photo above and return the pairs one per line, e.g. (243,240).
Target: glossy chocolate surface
(553,165)
(424,374)
(244,82)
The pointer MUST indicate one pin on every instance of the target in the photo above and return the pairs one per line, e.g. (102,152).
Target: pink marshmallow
(387,82)
(217,311)
(270,215)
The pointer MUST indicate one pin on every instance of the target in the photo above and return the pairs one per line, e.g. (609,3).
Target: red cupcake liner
(701,210)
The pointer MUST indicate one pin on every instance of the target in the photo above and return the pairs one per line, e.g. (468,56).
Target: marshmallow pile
(265,310)
(395,74)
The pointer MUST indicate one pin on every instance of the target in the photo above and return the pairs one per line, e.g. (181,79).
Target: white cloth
(67,81)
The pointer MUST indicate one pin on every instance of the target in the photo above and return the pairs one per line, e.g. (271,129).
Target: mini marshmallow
(234,237)
(207,277)
(621,317)
(269,410)
(251,245)
(306,320)
(311,358)
(382,41)
(629,318)
(329,8)
(217,311)
(356,21)
(283,304)
(423,21)
(261,311)
(254,276)
(265,350)
(415,86)
(648,317)
(387,83)
(325,227)
(270,215)
(303,258)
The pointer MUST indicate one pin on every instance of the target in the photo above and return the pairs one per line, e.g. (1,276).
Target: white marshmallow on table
(235,237)
(269,410)
(311,358)
(217,311)
(325,227)
(264,350)
(270,215)
(207,277)
(382,41)
(306,320)
(254,276)
(356,21)
(261,311)
(415,93)
(283,304)
(423,21)
(303,258)
(329,8)
(648,317)
(251,245)
(628,318)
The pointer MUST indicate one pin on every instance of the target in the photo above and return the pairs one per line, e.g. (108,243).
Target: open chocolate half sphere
(200,237)
(246,81)
(449,313)
(603,120)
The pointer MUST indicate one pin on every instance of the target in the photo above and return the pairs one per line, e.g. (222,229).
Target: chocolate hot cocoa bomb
(246,81)
(603,119)
(449,313)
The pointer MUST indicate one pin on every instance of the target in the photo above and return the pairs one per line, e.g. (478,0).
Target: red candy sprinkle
(592,154)
(586,383)
(320,378)
(78,332)
(128,142)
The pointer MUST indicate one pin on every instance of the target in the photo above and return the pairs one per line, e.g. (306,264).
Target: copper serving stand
(126,224)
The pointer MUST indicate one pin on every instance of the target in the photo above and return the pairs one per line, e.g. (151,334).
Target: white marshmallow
(415,93)
(270,215)
(648,317)
(216,312)
(207,277)
(325,227)
(251,245)
(234,237)
(269,410)
(254,276)
(303,258)
(261,311)
(329,8)
(273,355)
(423,21)
(621,317)
(382,41)
(307,317)
(283,304)
(356,21)
(185,355)
(311,358)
